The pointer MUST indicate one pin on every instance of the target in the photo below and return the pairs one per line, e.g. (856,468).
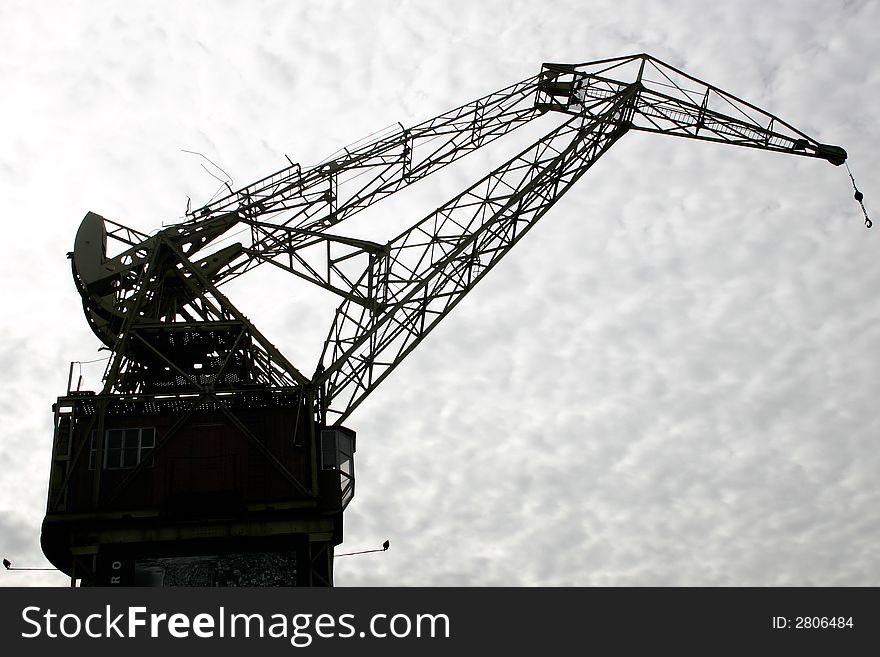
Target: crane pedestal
(238,489)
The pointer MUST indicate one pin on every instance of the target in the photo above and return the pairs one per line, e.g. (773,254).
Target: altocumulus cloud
(668,382)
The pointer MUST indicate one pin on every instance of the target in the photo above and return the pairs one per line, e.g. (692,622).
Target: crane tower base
(239,489)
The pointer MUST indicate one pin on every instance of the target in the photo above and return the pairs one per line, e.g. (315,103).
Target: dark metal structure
(208,457)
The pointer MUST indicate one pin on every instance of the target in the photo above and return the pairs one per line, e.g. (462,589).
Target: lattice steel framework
(158,306)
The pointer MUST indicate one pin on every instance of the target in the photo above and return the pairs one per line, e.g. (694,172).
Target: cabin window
(336,450)
(124,448)
(337,453)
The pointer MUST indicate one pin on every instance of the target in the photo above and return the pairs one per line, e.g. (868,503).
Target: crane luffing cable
(393,294)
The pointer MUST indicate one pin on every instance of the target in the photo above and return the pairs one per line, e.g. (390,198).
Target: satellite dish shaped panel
(90,248)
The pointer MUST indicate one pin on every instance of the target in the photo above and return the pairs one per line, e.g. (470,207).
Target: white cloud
(669,381)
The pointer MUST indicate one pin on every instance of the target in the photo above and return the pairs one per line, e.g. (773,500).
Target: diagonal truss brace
(289,256)
(209,310)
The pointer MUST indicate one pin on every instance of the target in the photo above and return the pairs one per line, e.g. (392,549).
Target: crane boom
(405,155)
(391,293)
(673,103)
(430,267)
(341,186)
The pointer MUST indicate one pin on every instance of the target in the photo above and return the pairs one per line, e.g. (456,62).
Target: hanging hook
(858,196)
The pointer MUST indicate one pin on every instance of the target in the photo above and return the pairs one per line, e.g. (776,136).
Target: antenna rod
(8,565)
(385,546)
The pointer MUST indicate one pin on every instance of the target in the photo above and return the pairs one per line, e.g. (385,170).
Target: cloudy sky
(672,381)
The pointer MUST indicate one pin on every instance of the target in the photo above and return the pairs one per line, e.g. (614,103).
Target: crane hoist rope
(859,197)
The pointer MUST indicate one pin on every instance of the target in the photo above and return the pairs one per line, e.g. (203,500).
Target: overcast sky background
(672,381)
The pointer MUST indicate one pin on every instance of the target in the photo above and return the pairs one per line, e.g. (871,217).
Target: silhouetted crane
(217,452)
